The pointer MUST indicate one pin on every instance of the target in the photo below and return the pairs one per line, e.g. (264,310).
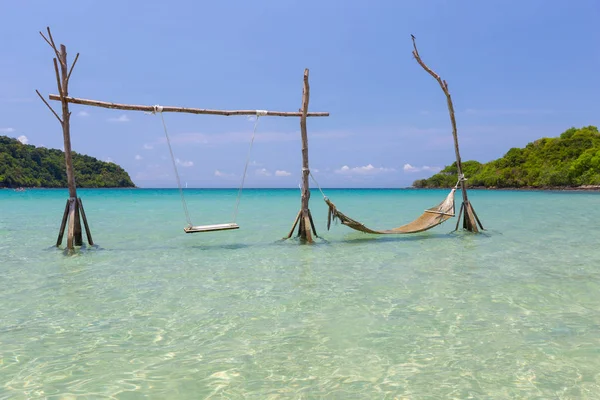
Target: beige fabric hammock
(432,217)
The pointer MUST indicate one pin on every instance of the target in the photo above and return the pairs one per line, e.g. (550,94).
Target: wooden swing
(191,228)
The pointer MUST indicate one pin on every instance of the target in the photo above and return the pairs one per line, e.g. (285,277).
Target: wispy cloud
(7,130)
(282,173)
(517,111)
(185,164)
(152,172)
(138,157)
(410,168)
(83,114)
(108,159)
(222,174)
(245,137)
(263,172)
(147,146)
(23,139)
(122,118)
(364,170)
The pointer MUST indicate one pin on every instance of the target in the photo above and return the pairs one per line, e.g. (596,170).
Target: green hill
(573,159)
(24,165)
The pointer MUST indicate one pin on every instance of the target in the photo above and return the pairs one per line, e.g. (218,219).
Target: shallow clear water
(151,311)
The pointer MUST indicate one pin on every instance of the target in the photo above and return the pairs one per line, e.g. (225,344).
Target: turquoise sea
(152,312)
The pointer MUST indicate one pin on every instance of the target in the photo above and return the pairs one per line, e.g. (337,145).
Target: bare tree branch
(54,47)
(469,219)
(60,91)
(51,109)
(47,41)
(51,44)
(72,66)
(443,84)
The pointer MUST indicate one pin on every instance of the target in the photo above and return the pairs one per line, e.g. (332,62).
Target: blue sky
(517,71)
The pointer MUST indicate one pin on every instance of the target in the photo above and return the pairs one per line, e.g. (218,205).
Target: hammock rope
(430,218)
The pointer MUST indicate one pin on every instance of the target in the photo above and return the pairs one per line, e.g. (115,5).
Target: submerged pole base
(471,221)
(306,226)
(72,216)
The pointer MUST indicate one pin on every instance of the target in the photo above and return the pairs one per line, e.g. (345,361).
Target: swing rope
(319,186)
(259,113)
(158,109)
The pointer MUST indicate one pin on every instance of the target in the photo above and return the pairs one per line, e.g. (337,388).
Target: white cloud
(83,114)
(409,168)
(138,157)
(263,172)
(184,163)
(122,118)
(7,130)
(367,169)
(282,173)
(147,146)
(108,159)
(223,174)
(23,139)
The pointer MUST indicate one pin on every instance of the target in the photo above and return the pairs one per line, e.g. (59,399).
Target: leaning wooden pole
(470,218)
(74,209)
(304,218)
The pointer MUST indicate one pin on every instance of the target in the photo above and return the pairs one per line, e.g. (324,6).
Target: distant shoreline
(585,188)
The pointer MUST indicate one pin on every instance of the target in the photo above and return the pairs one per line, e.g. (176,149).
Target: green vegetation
(24,165)
(573,159)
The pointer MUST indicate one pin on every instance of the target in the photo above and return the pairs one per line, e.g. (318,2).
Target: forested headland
(23,165)
(570,160)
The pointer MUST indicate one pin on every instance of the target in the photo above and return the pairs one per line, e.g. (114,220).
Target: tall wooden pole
(304,217)
(305,233)
(74,237)
(74,209)
(470,217)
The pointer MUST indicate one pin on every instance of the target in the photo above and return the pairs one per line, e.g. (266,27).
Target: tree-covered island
(23,165)
(568,161)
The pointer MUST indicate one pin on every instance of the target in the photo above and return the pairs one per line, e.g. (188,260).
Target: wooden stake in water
(470,218)
(74,208)
(304,217)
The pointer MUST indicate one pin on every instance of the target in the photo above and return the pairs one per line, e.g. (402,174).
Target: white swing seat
(211,228)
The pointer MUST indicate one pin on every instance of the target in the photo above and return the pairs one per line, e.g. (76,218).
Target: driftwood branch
(72,66)
(60,91)
(51,42)
(51,109)
(444,87)
(469,220)
(132,107)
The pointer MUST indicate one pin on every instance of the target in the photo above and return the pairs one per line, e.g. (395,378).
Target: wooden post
(304,217)
(470,220)
(74,208)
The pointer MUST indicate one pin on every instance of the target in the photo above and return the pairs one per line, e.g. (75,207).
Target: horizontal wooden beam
(132,107)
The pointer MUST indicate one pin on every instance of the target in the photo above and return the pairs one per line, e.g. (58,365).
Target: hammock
(432,217)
